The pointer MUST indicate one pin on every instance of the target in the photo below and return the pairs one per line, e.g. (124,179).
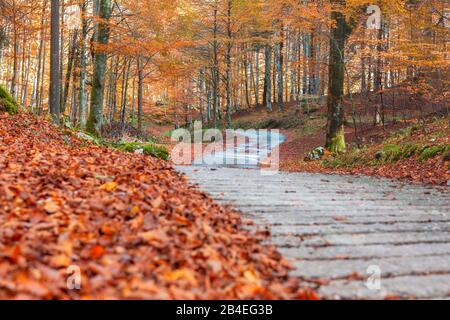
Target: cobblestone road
(342,230)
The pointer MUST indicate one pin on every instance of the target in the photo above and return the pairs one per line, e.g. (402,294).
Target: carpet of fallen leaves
(131,223)
(433,171)
(430,172)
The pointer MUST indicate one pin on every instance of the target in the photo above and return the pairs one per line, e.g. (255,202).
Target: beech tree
(55,76)
(94,123)
(211,59)
(335,140)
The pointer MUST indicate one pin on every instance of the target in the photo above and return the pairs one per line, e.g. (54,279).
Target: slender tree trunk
(208,102)
(3,37)
(335,140)
(312,63)
(379,116)
(23,70)
(299,82)
(215,67)
(124,96)
(246,80)
(40,99)
(279,68)
(140,91)
(15,54)
(98,82)
(293,58)
(268,78)
(71,58)
(133,101)
(257,76)
(83,65)
(27,77)
(228,58)
(55,75)
(61,54)
(200,95)
(305,65)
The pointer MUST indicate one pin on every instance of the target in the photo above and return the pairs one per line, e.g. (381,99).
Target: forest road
(358,237)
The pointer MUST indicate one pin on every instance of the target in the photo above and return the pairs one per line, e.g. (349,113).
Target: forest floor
(407,149)
(133,226)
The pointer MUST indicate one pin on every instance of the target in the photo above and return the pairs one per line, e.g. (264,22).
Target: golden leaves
(149,236)
(157,202)
(135,210)
(252,277)
(61,260)
(159,238)
(109,186)
(181,274)
(50,206)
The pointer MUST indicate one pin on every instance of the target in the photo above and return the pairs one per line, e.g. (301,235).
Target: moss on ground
(431,152)
(7,102)
(401,146)
(149,149)
(152,150)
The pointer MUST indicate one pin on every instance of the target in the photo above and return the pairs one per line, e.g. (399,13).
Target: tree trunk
(257,77)
(268,78)
(215,72)
(124,95)
(305,66)
(312,62)
(228,58)
(246,80)
(279,66)
(140,91)
(83,65)
(71,57)
(61,54)
(208,102)
(40,98)
(335,139)
(379,116)
(55,75)
(200,95)
(3,38)
(98,82)
(15,55)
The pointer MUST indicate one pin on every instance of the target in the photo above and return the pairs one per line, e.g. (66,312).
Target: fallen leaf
(252,277)
(180,274)
(109,186)
(157,202)
(61,260)
(97,252)
(50,206)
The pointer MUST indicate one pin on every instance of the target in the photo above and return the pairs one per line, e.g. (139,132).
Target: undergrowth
(416,141)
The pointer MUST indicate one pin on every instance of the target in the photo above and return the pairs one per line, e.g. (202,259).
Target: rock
(315,154)
(379,155)
(139,151)
(84,136)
